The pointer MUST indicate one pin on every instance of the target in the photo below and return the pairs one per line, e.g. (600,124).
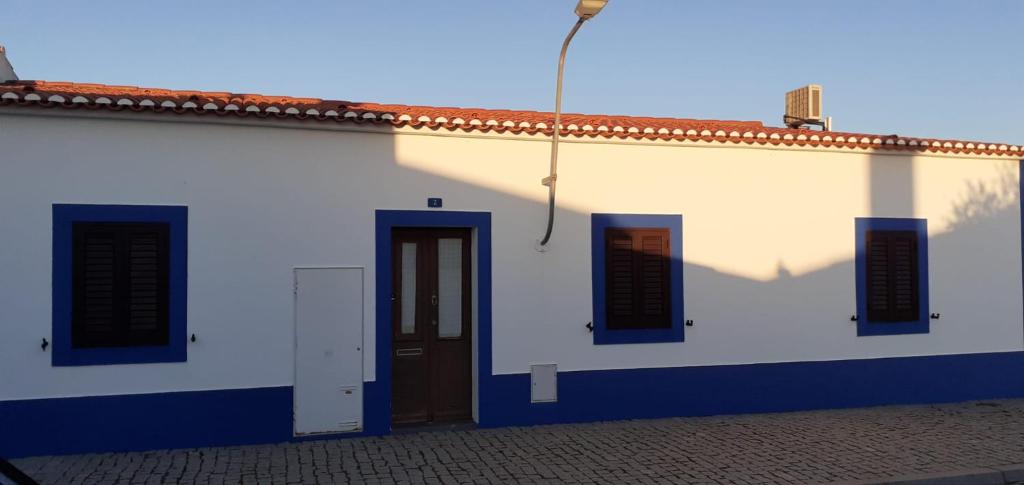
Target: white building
(198,268)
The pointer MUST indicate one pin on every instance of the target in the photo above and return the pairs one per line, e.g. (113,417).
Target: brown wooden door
(431,311)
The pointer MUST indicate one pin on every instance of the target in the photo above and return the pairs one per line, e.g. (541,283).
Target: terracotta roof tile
(131,98)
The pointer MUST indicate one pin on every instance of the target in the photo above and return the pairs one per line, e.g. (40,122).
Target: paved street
(806,447)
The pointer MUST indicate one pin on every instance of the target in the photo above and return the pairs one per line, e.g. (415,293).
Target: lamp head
(586,9)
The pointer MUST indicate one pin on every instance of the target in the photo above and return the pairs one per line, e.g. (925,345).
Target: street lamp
(585,10)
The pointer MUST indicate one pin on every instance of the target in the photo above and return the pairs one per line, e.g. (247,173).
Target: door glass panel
(449,279)
(408,296)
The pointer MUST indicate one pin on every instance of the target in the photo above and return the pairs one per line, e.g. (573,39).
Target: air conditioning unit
(803,106)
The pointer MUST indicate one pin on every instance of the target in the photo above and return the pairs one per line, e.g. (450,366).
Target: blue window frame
(599,223)
(64,216)
(920,324)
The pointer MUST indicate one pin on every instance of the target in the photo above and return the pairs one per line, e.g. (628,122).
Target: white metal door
(328,350)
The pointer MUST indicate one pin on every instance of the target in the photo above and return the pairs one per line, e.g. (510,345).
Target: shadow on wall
(985,211)
(983,200)
(802,319)
(891,181)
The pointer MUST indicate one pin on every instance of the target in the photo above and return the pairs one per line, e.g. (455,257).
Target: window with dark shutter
(892,276)
(637,278)
(120,282)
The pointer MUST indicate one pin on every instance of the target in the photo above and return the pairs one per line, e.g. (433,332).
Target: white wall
(767,240)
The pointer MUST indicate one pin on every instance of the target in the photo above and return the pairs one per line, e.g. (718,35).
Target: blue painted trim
(920,226)
(585,396)
(379,401)
(602,334)
(136,422)
(63,216)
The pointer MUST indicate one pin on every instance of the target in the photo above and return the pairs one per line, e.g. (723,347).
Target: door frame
(378,406)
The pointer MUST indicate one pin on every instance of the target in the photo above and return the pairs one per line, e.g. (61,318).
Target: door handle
(433,299)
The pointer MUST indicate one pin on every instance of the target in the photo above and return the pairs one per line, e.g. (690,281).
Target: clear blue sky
(942,68)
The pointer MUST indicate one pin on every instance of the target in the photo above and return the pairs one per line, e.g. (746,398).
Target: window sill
(645,336)
(868,328)
(119,355)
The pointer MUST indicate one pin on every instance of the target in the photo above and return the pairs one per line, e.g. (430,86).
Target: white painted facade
(768,240)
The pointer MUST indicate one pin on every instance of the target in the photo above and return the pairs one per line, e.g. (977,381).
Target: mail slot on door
(348,390)
(409,352)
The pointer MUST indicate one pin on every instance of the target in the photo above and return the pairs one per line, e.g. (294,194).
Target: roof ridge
(116,97)
(369,105)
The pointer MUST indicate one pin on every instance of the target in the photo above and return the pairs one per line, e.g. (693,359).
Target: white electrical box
(543,383)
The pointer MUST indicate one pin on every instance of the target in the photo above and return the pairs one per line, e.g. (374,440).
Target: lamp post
(585,10)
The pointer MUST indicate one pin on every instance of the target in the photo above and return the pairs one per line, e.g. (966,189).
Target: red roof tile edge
(130,98)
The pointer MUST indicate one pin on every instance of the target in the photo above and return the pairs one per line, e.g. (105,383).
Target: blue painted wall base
(756,388)
(145,421)
(264,415)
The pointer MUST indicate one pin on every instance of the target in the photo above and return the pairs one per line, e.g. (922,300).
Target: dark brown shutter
(892,276)
(637,278)
(146,290)
(93,296)
(620,278)
(120,283)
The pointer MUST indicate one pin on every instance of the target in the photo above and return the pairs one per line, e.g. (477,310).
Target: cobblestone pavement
(804,447)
